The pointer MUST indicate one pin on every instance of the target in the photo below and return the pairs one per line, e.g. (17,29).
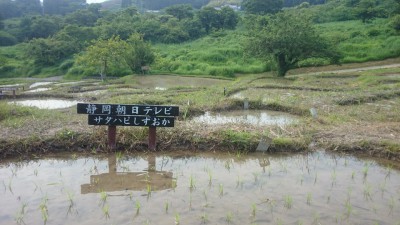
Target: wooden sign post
(114,115)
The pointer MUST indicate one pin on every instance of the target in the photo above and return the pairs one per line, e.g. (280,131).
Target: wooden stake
(152,138)
(112,136)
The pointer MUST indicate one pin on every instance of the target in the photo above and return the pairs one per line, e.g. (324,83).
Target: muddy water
(253,117)
(46,103)
(314,188)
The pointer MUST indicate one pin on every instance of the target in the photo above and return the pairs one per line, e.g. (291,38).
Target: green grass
(361,42)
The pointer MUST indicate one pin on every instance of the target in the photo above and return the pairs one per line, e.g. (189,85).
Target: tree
(367,10)
(262,7)
(180,11)
(103,54)
(287,39)
(138,53)
(49,51)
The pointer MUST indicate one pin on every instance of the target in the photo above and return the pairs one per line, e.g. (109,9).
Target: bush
(7,39)
(395,22)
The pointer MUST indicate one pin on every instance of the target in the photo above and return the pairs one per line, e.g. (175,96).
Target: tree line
(285,36)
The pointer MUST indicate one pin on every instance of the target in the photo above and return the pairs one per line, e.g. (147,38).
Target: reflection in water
(38,90)
(257,188)
(37,84)
(46,103)
(253,117)
(120,181)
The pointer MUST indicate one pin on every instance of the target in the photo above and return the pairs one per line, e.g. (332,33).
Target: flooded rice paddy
(313,188)
(46,103)
(252,117)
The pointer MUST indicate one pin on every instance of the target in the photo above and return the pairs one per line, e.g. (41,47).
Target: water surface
(314,188)
(46,103)
(253,117)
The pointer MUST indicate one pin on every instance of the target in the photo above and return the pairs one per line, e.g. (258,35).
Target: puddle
(253,117)
(160,88)
(46,103)
(38,90)
(37,84)
(314,188)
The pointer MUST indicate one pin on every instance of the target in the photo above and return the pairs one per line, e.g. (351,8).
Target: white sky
(94,1)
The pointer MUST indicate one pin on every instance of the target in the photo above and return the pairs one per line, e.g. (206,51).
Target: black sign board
(148,121)
(125,110)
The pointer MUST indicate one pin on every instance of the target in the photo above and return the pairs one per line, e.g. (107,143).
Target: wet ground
(313,188)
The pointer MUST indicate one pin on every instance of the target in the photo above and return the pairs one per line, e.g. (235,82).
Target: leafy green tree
(103,54)
(367,10)
(38,27)
(138,53)
(180,11)
(7,39)
(213,19)
(229,18)
(49,51)
(262,7)
(395,22)
(288,38)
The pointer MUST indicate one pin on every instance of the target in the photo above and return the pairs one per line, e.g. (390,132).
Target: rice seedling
(137,205)
(209,172)
(43,209)
(309,198)
(349,209)
(177,219)
(279,221)
(255,175)
(148,190)
(388,171)
(35,172)
(229,217)
(366,169)
(10,186)
(70,196)
(315,178)
(192,184)
(253,209)
(166,207)
(367,191)
(21,213)
(392,203)
(205,195)
(334,176)
(239,182)
(119,156)
(103,197)
(221,190)
(288,201)
(227,165)
(174,183)
(316,218)
(106,211)
(13,172)
(353,175)
(328,199)
(204,218)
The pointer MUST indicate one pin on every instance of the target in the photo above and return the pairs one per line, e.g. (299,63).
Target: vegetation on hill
(186,40)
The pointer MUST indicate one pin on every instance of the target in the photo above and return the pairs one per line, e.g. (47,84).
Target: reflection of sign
(120,181)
